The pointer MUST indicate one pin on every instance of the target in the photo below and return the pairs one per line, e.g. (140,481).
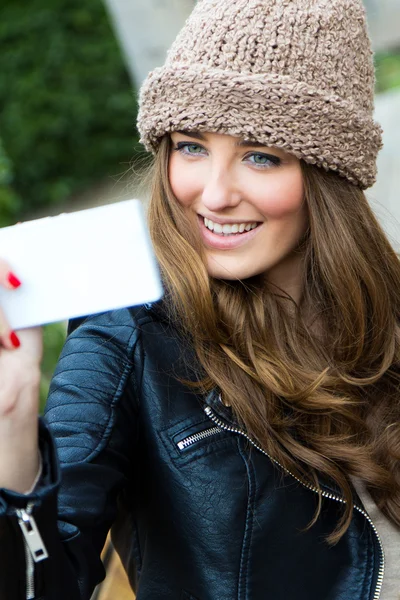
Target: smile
(220,236)
(233,228)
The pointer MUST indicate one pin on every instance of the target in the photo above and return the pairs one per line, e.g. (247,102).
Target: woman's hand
(20,357)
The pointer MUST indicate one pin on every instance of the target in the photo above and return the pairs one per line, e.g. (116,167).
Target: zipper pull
(32,536)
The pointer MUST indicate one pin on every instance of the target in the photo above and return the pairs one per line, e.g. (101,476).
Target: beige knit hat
(295,74)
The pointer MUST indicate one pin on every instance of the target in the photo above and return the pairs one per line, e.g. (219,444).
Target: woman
(227,432)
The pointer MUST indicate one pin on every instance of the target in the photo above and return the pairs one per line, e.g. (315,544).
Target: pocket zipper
(225,427)
(197,437)
(35,550)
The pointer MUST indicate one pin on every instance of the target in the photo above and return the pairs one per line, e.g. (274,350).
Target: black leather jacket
(199,513)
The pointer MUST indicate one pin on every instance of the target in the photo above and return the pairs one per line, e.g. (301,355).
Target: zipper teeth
(29,572)
(210,413)
(35,550)
(29,562)
(197,437)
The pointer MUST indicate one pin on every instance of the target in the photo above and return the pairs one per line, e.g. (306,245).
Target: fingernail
(15,340)
(13,280)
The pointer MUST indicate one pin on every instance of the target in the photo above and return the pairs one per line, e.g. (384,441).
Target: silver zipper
(35,550)
(220,423)
(197,437)
(29,573)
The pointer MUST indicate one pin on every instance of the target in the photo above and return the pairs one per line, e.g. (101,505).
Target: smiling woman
(273,264)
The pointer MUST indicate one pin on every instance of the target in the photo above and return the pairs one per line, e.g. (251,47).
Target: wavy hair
(316,384)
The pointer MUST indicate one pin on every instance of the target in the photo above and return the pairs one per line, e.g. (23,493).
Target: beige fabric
(390,536)
(295,74)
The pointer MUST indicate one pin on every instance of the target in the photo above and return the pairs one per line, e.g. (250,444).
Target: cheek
(184,184)
(285,197)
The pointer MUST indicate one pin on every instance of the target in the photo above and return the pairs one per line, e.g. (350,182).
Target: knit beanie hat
(294,74)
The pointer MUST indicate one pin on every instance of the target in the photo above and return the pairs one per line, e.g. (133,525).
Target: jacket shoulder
(129,317)
(97,378)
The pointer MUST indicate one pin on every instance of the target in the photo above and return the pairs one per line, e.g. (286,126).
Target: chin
(230,272)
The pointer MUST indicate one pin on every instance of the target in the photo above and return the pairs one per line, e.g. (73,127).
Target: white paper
(79,264)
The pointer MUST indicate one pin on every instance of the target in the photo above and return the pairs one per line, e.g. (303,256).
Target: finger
(7,277)
(31,343)
(8,338)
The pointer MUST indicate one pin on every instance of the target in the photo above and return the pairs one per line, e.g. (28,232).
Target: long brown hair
(317,384)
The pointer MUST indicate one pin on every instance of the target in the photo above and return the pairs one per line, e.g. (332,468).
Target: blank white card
(79,264)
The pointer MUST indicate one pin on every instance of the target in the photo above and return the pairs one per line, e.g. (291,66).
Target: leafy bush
(10,203)
(67,109)
(387,70)
(53,339)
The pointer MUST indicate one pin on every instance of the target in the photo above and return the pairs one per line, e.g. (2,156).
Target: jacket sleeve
(87,441)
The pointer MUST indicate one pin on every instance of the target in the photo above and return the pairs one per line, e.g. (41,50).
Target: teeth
(228,229)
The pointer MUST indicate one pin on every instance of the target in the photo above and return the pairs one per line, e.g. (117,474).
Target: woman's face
(247,201)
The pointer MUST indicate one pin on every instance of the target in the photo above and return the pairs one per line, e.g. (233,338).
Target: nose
(220,191)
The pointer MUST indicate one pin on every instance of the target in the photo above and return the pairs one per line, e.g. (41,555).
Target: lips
(225,242)
(228,228)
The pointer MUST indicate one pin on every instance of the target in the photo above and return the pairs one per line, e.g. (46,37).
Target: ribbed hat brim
(321,129)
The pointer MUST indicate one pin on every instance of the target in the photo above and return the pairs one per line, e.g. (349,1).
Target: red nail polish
(15,340)
(13,280)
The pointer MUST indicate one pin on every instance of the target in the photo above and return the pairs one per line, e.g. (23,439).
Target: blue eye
(260,159)
(263,160)
(189,148)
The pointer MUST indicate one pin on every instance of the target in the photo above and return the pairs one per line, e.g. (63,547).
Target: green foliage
(67,109)
(5,167)
(10,203)
(53,340)
(387,70)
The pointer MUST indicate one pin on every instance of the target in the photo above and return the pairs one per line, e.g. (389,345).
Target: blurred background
(70,70)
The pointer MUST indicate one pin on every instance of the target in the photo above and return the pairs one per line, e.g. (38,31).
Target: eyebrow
(240,144)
